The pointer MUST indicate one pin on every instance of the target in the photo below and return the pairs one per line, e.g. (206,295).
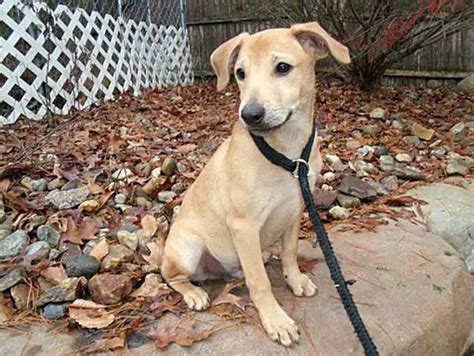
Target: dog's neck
(291,138)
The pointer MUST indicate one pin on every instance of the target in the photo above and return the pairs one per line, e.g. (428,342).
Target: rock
(55,311)
(448,212)
(378,187)
(20,294)
(89,206)
(83,265)
(68,199)
(377,113)
(39,185)
(352,144)
(49,234)
(403,158)
(346,201)
(176,210)
(11,279)
(339,213)
(381,151)
(466,85)
(37,220)
(433,84)
(412,141)
(109,288)
(128,239)
(422,132)
(404,172)
(456,166)
(13,244)
(438,152)
(26,183)
(169,166)
(178,188)
(353,186)
(329,177)
(390,183)
(56,183)
(365,152)
(324,199)
(118,255)
(72,184)
(144,169)
(181,167)
(44,284)
(371,130)
(335,163)
(156,173)
(67,291)
(458,131)
(122,174)
(166,196)
(142,202)
(71,251)
(37,251)
(362,166)
(397,125)
(327,187)
(386,160)
(120,198)
(3,216)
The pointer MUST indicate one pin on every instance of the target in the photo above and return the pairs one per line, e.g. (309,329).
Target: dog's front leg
(299,283)
(276,322)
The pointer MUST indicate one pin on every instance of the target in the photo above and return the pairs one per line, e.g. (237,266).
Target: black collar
(279,159)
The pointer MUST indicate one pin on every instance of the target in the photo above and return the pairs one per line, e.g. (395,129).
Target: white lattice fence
(54,60)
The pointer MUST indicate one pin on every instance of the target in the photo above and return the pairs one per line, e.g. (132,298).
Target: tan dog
(241,203)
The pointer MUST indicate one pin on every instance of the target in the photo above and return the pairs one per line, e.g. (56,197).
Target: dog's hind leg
(299,283)
(181,259)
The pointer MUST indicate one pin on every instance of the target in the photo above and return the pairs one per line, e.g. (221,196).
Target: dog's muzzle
(266,124)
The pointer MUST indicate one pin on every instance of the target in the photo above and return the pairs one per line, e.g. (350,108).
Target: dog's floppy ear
(315,39)
(223,58)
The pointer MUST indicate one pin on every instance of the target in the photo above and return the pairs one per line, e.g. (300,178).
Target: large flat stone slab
(449,213)
(412,289)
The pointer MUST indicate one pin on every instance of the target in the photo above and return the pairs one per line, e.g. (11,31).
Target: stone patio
(412,289)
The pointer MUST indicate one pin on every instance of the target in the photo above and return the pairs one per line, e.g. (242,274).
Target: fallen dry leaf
(91,318)
(86,304)
(151,288)
(4,184)
(94,187)
(149,225)
(77,234)
(117,342)
(225,297)
(100,250)
(6,308)
(156,253)
(173,329)
(54,274)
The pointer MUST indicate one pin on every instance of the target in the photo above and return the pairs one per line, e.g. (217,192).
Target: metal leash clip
(299,161)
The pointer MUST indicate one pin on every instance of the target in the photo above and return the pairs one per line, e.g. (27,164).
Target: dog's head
(275,72)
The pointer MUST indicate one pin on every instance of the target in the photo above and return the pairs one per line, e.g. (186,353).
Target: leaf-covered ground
(106,183)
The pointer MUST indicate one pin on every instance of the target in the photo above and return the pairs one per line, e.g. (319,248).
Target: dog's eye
(283,68)
(240,73)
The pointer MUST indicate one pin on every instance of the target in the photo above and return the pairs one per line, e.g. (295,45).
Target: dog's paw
(196,298)
(280,327)
(301,285)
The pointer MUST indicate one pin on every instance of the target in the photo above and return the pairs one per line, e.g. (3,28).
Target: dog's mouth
(264,129)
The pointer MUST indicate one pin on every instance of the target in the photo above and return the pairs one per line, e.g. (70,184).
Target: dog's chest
(284,210)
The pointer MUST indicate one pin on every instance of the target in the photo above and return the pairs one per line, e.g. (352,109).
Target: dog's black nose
(252,113)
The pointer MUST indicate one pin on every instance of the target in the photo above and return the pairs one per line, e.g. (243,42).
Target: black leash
(301,166)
